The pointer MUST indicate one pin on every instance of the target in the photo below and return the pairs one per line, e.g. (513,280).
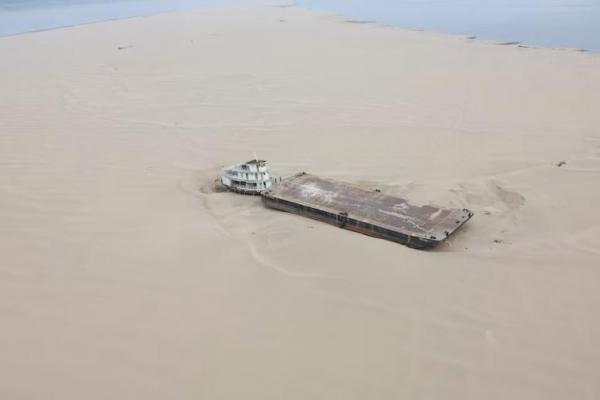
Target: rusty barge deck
(369,212)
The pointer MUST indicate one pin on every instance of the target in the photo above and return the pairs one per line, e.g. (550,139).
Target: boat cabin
(251,177)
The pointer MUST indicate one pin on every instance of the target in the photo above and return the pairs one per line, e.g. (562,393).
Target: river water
(546,23)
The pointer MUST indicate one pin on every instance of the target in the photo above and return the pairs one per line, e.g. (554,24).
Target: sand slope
(124,275)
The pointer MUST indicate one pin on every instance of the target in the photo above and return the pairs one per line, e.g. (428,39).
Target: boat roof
(255,162)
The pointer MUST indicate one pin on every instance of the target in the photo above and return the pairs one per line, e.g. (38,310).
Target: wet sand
(125,275)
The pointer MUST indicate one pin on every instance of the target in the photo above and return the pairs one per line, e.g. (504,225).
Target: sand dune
(124,275)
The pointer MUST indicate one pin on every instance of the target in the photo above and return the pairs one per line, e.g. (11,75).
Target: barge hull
(368,212)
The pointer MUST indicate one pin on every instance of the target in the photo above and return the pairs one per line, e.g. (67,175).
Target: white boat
(251,177)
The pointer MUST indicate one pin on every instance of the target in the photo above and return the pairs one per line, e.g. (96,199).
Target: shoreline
(340,16)
(141,15)
(462,37)
(472,36)
(42,30)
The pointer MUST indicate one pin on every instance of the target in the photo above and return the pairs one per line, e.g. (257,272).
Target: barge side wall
(347,222)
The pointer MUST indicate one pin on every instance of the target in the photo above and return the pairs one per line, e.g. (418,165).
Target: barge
(366,211)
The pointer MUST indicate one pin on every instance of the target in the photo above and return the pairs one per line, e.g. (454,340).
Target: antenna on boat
(255,156)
